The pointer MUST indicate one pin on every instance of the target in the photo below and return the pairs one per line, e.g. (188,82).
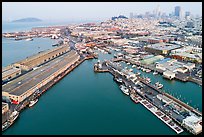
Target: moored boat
(28,39)
(158,85)
(155,73)
(124,89)
(33,102)
(148,70)
(148,80)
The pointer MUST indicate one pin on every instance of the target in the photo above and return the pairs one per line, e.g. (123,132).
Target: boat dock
(178,76)
(166,119)
(172,112)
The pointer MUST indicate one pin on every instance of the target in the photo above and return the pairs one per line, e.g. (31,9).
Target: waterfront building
(193,124)
(5,111)
(43,57)
(161,48)
(34,80)
(164,99)
(10,72)
(5,107)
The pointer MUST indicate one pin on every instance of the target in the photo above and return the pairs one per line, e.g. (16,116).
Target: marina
(164,98)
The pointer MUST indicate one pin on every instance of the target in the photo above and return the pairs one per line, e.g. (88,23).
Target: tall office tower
(187,15)
(158,11)
(131,15)
(177,11)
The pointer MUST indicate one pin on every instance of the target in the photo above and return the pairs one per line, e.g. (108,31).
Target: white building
(193,124)
(168,74)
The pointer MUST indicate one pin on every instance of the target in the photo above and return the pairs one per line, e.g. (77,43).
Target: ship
(33,102)
(133,66)
(134,98)
(158,85)
(124,89)
(10,121)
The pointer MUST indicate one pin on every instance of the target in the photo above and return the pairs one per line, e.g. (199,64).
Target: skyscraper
(131,15)
(177,11)
(187,14)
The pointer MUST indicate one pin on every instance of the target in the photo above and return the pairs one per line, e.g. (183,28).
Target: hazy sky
(88,10)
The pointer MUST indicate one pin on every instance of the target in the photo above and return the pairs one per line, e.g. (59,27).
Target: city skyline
(90,10)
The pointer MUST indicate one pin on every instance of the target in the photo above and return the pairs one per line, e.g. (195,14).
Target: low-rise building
(169,74)
(193,124)
(161,48)
(10,73)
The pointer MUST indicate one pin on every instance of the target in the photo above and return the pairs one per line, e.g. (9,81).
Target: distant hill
(119,17)
(28,20)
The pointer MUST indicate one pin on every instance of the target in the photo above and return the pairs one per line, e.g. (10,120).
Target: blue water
(23,26)
(14,51)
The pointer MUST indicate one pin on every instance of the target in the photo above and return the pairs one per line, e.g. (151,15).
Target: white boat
(139,68)
(148,70)
(33,102)
(131,70)
(28,39)
(119,80)
(158,85)
(124,89)
(133,66)
(155,73)
(148,80)
(143,69)
(128,63)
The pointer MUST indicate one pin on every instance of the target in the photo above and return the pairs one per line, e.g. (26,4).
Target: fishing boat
(131,70)
(148,70)
(133,66)
(124,89)
(155,73)
(28,39)
(143,69)
(158,85)
(119,80)
(148,80)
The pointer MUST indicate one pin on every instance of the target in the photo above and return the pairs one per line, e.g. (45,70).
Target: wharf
(151,67)
(44,88)
(145,94)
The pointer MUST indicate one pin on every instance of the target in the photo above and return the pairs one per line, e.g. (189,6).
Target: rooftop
(164,46)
